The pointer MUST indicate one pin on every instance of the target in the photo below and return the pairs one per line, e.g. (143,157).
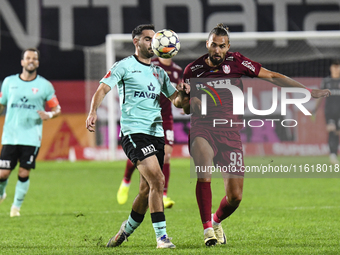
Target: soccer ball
(165,43)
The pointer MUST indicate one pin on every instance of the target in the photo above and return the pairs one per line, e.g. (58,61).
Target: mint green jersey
(23,125)
(139,87)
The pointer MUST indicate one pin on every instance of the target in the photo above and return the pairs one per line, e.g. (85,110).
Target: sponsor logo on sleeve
(249,65)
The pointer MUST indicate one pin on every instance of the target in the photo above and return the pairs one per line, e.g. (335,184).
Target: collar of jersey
(140,61)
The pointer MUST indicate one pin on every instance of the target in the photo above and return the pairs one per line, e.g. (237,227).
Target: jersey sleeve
(167,89)
(51,98)
(114,75)
(4,92)
(247,66)
(187,74)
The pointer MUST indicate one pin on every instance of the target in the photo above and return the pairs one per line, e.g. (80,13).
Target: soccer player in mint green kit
(25,96)
(139,86)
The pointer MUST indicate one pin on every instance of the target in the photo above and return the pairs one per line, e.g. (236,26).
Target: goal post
(296,54)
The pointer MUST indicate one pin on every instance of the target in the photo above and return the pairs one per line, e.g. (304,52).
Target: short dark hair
(220,30)
(30,49)
(139,29)
(335,62)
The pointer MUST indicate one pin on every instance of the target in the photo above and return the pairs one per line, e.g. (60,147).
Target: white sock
(126,184)
(215,223)
(205,230)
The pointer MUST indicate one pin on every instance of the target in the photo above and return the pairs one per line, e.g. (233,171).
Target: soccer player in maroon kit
(175,74)
(222,145)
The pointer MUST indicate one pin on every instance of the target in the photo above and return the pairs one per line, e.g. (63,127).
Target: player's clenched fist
(91,122)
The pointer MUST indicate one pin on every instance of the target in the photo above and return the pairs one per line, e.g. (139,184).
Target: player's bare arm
(97,99)
(2,108)
(192,106)
(180,96)
(284,81)
(46,115)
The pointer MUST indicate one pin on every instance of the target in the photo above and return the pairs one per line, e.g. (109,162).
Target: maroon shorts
(227,147)
(168,133)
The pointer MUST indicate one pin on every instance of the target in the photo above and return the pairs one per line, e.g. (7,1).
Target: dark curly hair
(139,29)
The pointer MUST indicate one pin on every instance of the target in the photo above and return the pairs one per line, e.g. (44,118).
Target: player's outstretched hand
(317,93)
(183,87)
(91,122)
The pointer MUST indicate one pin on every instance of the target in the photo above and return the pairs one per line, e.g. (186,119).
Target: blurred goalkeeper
(25,96)
(221,145)
(140,84)
(175,74)
(332,109)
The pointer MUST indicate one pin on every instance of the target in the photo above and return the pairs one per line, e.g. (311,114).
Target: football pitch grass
(71,208)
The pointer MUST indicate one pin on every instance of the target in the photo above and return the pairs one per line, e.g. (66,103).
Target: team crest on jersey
(35,90)
(226,69)
(156,75)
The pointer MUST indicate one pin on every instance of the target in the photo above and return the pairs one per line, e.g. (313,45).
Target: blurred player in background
(25,96)
(175,74)
(332,109)
(222,146)
(141,129)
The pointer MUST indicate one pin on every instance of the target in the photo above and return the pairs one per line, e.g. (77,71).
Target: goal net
(302,55)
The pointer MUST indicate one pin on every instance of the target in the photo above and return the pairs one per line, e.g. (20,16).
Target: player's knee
(4,174)
(157,183)
(167,157)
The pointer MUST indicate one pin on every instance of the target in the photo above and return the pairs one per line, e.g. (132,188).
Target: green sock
(3,185)
(20,192)
(160,228)
(131,225)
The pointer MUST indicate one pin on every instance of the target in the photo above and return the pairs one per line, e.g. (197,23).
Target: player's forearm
(285,81)
(55,112)
(98,97)
(2,108)
(176,100)
(179,98)
(279,79)
(96,101)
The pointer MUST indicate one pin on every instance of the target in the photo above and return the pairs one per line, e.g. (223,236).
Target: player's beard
(150,54)
(215,61)
(147,52)
(30,71)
